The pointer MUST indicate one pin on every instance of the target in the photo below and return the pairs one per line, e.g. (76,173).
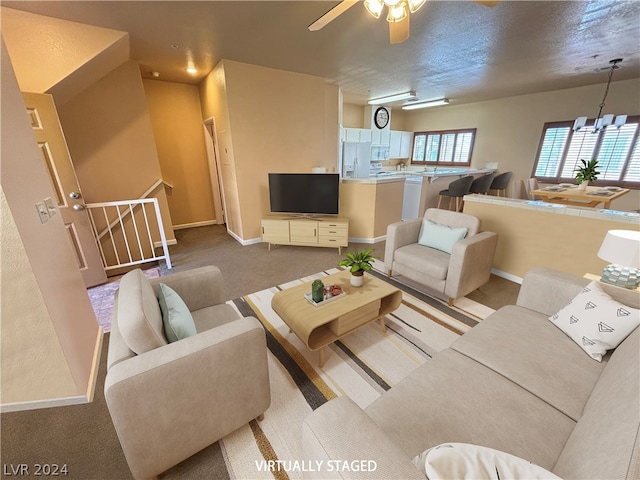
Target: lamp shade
(621,247)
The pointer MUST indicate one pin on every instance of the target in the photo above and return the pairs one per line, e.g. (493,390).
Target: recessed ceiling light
(155,74)
(192,70)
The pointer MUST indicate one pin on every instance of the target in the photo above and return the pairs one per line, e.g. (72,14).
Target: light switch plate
(43,212)
(48,202)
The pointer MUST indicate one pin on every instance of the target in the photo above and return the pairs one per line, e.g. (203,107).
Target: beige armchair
(454,274)
(170,400)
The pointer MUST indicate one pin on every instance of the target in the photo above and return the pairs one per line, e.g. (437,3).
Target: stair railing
(125,231)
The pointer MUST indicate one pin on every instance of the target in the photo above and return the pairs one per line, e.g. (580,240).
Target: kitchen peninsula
(373,203)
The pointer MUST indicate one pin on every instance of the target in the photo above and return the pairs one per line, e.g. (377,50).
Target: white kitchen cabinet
(400,144)
(357,135)
(380,137)
(406,139)
(365,135)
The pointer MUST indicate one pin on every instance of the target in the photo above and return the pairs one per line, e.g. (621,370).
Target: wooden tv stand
(320,231)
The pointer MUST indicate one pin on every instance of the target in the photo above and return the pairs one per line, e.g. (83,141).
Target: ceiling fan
(397,15)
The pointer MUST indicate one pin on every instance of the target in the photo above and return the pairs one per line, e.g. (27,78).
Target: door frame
(215,170)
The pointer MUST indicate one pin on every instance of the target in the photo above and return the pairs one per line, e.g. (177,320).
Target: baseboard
(195,224)
(506,276)
(241,241)
(367,240)
(251,241)
(48,403)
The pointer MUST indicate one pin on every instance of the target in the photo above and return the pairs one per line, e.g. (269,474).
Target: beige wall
(214,104)
(46,51)
(538,238)
(370,208)
(50,337)
(109,133)
(277,122)
(176,119)
(509,129)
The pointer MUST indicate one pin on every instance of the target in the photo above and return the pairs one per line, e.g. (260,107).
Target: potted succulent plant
(586,173)
(358,263)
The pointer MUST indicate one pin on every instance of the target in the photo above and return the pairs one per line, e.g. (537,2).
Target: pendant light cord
(614,65)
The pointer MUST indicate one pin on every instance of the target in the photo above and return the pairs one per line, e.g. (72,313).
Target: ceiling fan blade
(332,14)
(487,3)
(399,31)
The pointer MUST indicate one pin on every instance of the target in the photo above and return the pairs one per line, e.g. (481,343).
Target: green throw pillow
(176,317)
(440,237)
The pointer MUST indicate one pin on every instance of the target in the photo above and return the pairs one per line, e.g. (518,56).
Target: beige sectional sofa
(514,383)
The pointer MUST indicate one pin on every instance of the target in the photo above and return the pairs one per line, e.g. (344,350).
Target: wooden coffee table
(318,326)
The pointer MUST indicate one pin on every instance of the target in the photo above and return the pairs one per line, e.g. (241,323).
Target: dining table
(571,195)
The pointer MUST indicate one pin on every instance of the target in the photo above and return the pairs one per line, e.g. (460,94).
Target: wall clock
(381,117)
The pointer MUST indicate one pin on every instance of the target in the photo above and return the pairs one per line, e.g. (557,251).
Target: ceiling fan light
(397,13)
(374,7)
(392,3)
(414,5)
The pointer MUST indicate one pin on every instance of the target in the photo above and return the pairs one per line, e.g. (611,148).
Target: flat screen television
(304,193)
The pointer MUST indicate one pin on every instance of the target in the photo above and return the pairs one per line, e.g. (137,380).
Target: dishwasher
(411,198)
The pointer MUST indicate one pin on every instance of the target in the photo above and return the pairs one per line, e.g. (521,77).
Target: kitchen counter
(432,174)
(373,203)
(375,180)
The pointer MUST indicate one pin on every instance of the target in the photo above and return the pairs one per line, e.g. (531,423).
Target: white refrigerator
(356,159)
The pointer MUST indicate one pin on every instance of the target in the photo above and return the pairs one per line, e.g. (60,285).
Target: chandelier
(603,121)
(397,9)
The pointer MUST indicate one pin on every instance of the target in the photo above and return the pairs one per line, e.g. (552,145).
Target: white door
(68,196)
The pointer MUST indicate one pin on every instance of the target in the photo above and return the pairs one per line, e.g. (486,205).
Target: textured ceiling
(457,49)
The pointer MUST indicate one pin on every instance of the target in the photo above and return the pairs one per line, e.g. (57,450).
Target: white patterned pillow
(464,461)
(595,321)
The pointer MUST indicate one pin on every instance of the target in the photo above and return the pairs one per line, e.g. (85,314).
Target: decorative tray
(327,299)
(554,189)
(601,193)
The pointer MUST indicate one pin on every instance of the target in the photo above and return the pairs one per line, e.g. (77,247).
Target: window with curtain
(616,150)
(450,147)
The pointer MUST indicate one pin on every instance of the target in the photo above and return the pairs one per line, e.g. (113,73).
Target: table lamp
(622,249)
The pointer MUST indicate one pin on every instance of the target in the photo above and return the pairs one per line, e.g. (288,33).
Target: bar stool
(482,184)
(457,189)
(500,183)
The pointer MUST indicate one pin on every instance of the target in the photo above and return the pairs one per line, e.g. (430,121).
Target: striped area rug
(363,365)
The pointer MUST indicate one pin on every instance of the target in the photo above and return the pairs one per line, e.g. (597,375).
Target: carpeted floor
(362,365)
(83,437)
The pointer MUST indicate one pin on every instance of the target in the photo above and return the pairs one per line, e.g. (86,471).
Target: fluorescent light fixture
(392,98)
(425,104)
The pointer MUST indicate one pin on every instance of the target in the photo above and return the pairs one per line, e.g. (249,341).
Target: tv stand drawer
(320,232)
